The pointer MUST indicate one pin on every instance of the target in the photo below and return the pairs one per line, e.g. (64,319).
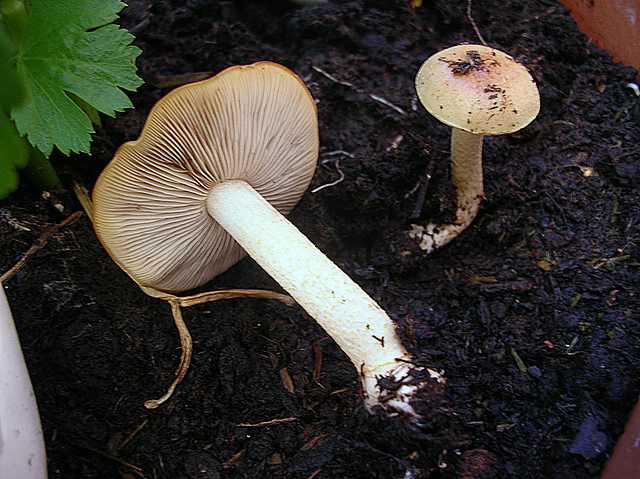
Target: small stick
(473,23)
(331,77)
(286,380)
(386,102)
(233,460)
(377,98)
(135,469)
(519,362)
(132,435)
(85,200)
(317,361)
(422,193)
(272,422)
(339,391)
(38,245)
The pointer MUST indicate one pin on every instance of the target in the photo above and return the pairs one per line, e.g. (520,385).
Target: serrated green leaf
(70,47)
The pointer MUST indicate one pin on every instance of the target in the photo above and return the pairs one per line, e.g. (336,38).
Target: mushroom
(217,165)
(477,91)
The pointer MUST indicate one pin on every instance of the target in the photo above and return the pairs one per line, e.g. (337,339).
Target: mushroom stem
(353,319)
(466,175)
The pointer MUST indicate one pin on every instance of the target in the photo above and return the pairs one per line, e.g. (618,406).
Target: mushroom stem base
(466,175)
(353,319)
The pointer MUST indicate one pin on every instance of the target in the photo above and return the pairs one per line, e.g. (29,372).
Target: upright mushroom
(217,164)
(477,91)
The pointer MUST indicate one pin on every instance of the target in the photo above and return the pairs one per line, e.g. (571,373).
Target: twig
(377,98)
(132,435)
(85,200)
(332,78)
(473,23)
(287,382)
(317,361)
(6,216)
(135,469)
(394,144)
(339,391)
(233,460)
(39,244)
(272,422)
(519,362)
(422,193)
(413,190)
(386,102)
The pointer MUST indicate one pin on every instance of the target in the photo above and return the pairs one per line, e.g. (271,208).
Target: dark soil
(548,272)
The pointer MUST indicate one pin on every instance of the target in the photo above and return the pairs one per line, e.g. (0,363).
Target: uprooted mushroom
(217,165)
(477,91)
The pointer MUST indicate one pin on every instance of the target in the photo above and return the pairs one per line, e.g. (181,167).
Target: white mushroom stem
(353,319)
(466,175)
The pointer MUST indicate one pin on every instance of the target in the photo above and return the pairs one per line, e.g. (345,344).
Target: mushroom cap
(478,89)
(256,123)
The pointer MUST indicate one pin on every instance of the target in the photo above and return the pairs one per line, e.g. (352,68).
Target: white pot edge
(22,452)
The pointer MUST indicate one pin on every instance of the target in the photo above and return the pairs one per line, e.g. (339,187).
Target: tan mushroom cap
(478,89)
(256,123)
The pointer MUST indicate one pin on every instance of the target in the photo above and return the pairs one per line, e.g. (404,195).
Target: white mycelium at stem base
(353,319)
(466,175)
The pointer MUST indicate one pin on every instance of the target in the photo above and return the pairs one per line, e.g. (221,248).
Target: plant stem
(40,173)
(14,14)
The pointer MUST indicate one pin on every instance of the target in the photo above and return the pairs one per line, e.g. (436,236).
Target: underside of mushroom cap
(478,89)
(256,123)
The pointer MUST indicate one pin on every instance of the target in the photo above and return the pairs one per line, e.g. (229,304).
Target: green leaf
(14,153)
(71,47)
